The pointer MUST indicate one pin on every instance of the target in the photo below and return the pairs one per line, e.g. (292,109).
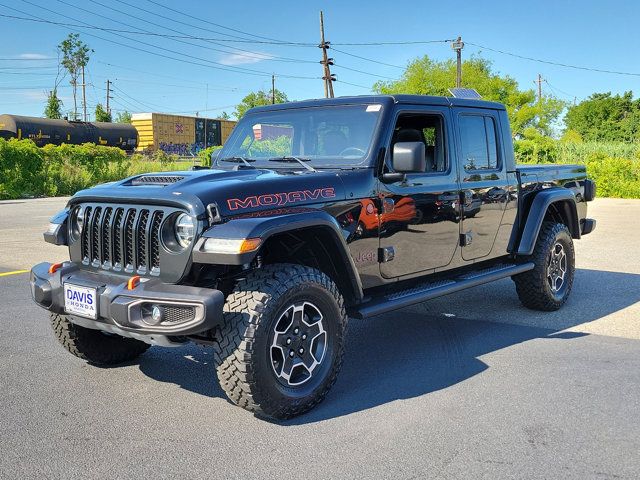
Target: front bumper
(125,311)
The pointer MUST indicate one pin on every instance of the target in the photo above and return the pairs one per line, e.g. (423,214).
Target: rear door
(483,180)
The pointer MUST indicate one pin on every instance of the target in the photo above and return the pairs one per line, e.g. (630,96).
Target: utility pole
(458,45)
(109,97)
(273,89)
(326,62)
(84,96)
(539,82)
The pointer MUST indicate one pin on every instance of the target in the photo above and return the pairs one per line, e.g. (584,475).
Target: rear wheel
(281,345)
(548,285)
(95,346)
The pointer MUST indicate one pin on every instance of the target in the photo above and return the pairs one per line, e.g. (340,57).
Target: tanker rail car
(44,131)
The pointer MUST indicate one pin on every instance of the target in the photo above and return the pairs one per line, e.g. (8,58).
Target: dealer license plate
(81,301)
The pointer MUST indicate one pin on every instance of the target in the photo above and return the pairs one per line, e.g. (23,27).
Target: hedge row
(29,171)
(615,166)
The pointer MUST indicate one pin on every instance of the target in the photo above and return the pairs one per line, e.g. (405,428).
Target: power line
(410,42)
(137,32)
(365,58)
(558,64)
(27,73)
(251,55)
(363,72)
(26,68)
(160,75)
(149,105)
(219,25)
(210,64)
(31,88)
(353,84)
(47,59)
(111,8)
(560,91)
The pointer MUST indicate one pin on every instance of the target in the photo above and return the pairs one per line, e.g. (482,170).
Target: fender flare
(566,202)
(265,225)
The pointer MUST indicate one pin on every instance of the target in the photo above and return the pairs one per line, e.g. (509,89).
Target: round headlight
(185,229)
(79,214)
(77,222)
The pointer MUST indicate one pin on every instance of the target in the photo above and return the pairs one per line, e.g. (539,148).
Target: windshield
(322,136)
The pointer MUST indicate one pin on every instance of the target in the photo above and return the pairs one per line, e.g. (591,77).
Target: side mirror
(409,157)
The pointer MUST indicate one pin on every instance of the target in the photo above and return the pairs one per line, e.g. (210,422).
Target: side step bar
(427,291)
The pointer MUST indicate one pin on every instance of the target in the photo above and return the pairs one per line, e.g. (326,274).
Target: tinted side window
(425,128)
(478,141)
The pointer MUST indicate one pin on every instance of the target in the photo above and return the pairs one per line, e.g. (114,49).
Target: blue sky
(603,35)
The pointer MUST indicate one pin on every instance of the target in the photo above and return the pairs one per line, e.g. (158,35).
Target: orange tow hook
(133,282)
(54,267)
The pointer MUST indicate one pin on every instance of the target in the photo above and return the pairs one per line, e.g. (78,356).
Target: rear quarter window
(478,142)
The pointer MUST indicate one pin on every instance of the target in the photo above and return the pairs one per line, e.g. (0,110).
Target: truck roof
(385,100)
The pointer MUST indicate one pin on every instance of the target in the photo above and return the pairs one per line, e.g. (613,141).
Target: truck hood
(234,192)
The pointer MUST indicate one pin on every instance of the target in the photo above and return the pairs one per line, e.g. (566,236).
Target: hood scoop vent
(155,180)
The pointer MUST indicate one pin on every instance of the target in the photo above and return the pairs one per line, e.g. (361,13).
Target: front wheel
(281,345)
(548,285)
(95,346)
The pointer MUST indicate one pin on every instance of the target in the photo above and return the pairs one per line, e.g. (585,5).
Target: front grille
(123,238)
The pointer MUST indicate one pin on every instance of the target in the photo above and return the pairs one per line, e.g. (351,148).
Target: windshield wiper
(243,160)
(301,161)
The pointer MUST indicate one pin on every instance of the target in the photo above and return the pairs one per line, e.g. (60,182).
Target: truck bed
(552,174)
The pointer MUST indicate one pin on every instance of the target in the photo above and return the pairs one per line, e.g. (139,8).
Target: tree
(605,117)
(123,117)
(75,56)
(101,114)
(425,76)
(256,99)
(225,116)
(54,105)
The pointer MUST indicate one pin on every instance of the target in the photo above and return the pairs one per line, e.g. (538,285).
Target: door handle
(468,197)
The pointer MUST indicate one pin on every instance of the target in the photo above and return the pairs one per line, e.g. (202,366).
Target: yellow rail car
(179,133)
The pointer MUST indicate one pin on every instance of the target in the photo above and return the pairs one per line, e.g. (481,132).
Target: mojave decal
(280,199)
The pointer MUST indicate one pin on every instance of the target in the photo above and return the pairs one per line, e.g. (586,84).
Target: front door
(483,181)
(418,216)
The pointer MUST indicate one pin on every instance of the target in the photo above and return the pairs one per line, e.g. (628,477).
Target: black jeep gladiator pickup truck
(312,212)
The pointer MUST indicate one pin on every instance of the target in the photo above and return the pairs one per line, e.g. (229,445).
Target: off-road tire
(533,287)
(94,346)
(251,311)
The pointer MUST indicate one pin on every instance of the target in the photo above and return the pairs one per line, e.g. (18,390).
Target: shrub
(615,166)
(21,169)
(205,155)
(27,170)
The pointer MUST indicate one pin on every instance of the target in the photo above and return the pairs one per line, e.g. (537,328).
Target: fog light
(156,314)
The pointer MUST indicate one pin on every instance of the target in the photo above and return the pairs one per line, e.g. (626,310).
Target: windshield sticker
(373,108)
(280,199)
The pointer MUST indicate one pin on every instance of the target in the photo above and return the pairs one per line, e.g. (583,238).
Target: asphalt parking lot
(466,386)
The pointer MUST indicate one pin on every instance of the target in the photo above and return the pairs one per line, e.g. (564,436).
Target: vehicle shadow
(406,354)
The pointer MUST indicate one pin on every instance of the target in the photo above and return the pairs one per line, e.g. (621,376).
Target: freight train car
(45,130)
(179,134)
